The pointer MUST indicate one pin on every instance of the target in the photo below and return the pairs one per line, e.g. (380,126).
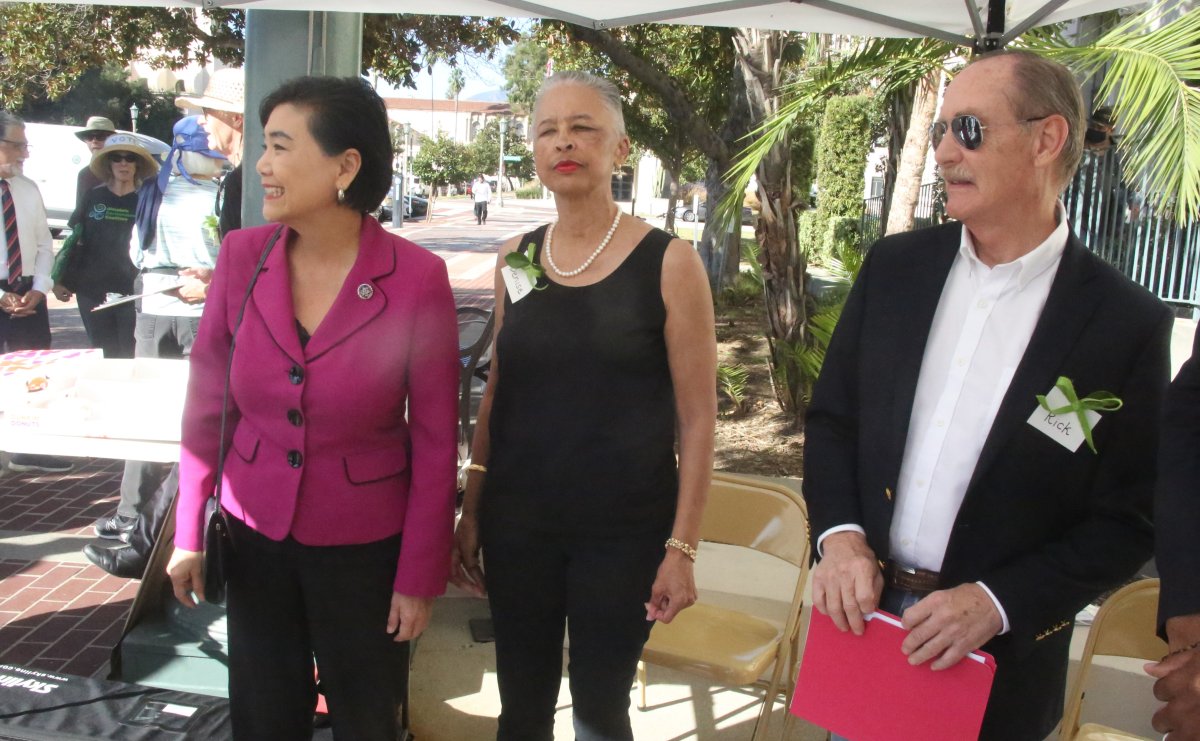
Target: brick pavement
(57,611)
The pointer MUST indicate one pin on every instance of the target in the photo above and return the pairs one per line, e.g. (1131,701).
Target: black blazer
(1046,529)
(1177,505)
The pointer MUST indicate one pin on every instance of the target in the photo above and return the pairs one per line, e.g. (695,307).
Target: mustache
(956,174)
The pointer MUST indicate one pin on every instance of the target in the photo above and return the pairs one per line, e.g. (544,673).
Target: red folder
(863,688)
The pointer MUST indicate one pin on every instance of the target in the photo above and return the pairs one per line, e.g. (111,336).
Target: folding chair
(1125,626)
(729,646)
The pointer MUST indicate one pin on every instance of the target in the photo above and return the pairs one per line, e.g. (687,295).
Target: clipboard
(863,688)
(126,299)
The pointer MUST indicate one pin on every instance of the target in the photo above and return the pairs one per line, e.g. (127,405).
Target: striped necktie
(12,240)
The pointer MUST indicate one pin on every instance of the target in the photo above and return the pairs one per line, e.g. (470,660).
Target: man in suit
(1177,522)
(939,488)
(25,269)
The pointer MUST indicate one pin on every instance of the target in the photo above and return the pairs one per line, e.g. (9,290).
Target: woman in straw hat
(99,261)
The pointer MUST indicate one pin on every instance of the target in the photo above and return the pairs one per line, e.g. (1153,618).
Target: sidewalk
(58,612)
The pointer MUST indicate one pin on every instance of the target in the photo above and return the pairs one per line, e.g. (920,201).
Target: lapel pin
(365,291)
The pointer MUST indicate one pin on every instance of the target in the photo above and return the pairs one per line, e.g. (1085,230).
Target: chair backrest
(1125,626)
(759,514)
(474,350)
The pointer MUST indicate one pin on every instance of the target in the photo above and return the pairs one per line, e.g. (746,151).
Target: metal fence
(1112,218)
(928,213)
(1140,238)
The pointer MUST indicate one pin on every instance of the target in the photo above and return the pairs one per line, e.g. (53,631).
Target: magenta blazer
(319,444)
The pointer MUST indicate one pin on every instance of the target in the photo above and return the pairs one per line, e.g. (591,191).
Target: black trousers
(288,602)
(26,332)
(596,588)
(481,212)
(110,330)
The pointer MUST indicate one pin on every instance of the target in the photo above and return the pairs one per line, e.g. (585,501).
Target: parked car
(413,206)
(685,212)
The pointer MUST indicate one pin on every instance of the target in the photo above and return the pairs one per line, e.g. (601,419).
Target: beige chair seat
(731,647)
(1097,732)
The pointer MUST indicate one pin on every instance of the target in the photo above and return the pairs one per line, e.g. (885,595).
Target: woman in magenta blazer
(339,476)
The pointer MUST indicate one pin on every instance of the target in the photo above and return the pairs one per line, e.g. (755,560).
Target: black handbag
(218,551)
(218,540)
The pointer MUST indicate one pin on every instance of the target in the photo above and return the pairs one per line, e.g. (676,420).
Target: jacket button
(296,375)
(295,459)
(295,417)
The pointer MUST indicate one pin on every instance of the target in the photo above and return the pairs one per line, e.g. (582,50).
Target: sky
(481,76)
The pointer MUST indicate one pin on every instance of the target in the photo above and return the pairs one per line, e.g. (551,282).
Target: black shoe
(117,527)
(40,463)
(121,561)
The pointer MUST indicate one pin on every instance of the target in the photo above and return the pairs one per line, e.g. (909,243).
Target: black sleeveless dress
(583,418)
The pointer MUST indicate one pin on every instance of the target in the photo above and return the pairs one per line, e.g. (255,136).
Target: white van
(55,157)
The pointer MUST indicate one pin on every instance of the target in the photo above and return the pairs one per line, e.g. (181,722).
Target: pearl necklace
(586,263)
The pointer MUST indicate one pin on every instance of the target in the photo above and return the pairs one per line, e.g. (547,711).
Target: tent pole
(272,56)
(995,26)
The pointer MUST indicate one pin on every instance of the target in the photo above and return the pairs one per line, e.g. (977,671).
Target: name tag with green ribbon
(1067,419)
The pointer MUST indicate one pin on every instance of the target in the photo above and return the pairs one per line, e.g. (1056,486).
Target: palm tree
(453,89)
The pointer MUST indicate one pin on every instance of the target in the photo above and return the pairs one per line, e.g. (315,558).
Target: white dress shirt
(37,246)
(982,325)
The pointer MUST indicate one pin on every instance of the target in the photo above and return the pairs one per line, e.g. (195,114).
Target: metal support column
(280,45)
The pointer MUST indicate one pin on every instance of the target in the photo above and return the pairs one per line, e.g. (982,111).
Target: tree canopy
(46,48)
(485,152)
(442,161)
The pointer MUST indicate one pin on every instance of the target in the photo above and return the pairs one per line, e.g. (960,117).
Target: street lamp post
(133,115)
(500,177)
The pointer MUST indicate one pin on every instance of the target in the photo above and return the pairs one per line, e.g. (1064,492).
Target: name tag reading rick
(517,282)
(1062,428)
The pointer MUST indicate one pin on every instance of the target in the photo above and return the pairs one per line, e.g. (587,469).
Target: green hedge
(531,191)
(843,144)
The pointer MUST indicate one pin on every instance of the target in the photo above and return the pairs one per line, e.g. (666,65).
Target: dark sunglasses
(95,137)
(122,157)
(968,131)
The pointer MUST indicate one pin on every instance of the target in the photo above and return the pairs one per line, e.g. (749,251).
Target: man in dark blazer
(939,488)
(1177,546)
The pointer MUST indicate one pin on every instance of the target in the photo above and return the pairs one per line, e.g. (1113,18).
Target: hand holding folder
(863,688)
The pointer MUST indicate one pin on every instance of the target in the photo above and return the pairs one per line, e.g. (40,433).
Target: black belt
(917,581)
(161,271)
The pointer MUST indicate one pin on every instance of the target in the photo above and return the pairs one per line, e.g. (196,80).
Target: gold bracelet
(477,467)
(679,545)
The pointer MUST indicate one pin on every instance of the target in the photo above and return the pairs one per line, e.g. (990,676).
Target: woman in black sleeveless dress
(609,359)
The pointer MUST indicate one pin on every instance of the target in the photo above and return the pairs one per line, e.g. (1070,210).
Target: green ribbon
(1099,401)
(523,261)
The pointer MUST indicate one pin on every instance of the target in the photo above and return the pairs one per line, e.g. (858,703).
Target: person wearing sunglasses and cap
(94,134)
(940,488)
(99,262)
(174,248)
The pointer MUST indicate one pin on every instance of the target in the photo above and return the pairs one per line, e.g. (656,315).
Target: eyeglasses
(968,131)
(19,146)
(122,157)
(98,137)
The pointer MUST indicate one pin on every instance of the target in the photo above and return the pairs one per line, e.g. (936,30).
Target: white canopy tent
(957,20)
(332,28)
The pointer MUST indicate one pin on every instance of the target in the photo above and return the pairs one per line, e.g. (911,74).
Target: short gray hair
(9,121)
(1044,87)
(609,95)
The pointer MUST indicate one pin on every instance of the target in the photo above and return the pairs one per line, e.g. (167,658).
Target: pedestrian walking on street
(481,192)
